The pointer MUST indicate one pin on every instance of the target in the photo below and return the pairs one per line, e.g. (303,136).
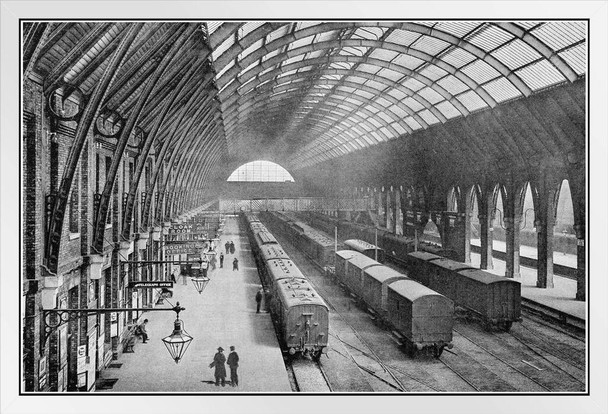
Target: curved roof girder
(474,50)
(331,44)
(233,100)
(544,50)
(484,95)
(254,104)
(355,85)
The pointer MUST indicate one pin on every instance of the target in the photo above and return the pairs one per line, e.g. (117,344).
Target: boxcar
(444,277)
(396,246)
(353,278)
(423,316)
(418,266)
(497,299)
(375,287)
(341,263)
(302,317)
(368,249)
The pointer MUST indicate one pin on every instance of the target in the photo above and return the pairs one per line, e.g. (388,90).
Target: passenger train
(301,316)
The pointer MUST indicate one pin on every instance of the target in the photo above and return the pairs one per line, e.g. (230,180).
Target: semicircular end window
(265,171)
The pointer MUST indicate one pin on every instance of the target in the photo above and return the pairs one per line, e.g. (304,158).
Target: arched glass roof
(324,89)
(261,171)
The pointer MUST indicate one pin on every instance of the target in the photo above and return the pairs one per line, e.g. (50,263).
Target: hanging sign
(150,284)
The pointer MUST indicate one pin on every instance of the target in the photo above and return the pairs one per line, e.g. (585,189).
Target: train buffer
(372,315)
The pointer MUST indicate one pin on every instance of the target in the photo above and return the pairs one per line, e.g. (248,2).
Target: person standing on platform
(220,369)
(258,299)
(231,247)
(233,363)
(221,259)
(227,246)
(213,261)
(235,264)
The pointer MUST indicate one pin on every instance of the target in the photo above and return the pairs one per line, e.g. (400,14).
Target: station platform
(223,315)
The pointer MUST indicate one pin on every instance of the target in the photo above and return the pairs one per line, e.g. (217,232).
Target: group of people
(219,359)
(263,294)
(229,247)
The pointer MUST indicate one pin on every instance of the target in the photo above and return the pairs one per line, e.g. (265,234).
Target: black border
(254,394)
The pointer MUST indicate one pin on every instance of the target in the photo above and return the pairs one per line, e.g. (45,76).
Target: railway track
(306,375)
(534,357)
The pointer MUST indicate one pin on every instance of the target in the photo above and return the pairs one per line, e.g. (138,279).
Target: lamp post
(177,343)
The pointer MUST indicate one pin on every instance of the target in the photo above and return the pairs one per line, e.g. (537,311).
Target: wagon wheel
(409,348)
(437,350)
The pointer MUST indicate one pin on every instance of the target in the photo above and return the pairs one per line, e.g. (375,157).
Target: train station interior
(155,158)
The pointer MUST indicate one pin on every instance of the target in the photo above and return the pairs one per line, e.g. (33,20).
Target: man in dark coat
(233,363)
(227,246)
(221,259)
(220,369)
(258,299)
(235,264)
(231,247)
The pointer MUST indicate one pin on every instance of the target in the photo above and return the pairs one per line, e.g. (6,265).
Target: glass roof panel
(326,36)
(480,71)
(294,59)
(558,35)
(448,110)
(516,54)
(457,57)
(402,37)
(280,32)
(457,28)
(471,101)
(353,51)
(576,57)
(254,47)
(376,85)
(501,90)
(430,95)
(397,94)
(315,54)
(489,37)
(364,94)
(224,69)
(370,108)
(399,128)
(213,26)
(430,45)
(398,111)
(413,124)
(249,27)
(408,61)
(412,84)
(432,72)
(540,75)
(301,42)
(373,33)
(383,54)
(364,67)
(341,65)
(306,24)
(374,122)
(452,84)
(383,102)
(270,55)
(413,104)
(428,117)
(527,25)
(226,44)
(385,117)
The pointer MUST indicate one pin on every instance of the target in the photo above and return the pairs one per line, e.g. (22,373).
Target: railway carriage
(443,276)
(375,287)
(497,299)
(341,263)
(418,266)
(368,249)
(423,316)
(396,246)
(302,316)
(353,278)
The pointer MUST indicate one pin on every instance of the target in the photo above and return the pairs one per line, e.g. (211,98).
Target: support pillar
(397,223)
(512,254)
(581,284)
(486,238)
(388,211)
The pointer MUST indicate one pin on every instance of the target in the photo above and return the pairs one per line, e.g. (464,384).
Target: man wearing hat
(220,369)
(233,363)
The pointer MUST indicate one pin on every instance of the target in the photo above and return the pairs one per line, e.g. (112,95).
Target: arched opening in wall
(452,201)
(475,225)
(261,171)
(527,229)
(564,243)
(430,234)
(498,223)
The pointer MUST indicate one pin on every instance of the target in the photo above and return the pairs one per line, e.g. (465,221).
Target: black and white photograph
(315,206)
